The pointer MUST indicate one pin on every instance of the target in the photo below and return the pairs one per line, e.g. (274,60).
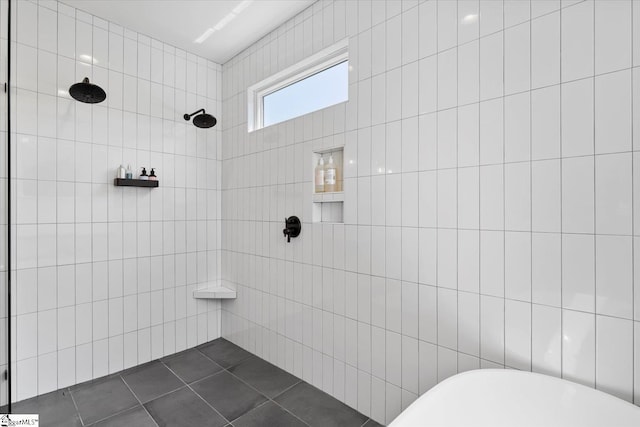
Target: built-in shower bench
(217,289)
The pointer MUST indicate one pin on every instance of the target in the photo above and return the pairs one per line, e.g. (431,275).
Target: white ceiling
(233,25)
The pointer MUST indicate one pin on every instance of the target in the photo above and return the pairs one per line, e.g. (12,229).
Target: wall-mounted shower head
(203,120)
(87,92)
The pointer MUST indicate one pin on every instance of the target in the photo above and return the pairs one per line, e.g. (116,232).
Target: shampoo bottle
(319,180)
(129,172)
(122,173)
(330,175)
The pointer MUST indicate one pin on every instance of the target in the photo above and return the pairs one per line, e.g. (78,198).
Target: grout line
(139,402)
(530,231)
(504,234)
(595,222)
(288,411)
(370,226)
(122,233)
(634,399)
(419,368)
(457,231)
(561,310)
(193,391)
(479,187)
(437,229)
(116,414)
(272,399)
(75,405)
(162,395)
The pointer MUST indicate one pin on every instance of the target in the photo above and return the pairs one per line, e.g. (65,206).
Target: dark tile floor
(215,384)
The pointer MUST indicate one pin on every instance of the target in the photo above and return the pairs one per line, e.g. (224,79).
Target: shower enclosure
(101,274)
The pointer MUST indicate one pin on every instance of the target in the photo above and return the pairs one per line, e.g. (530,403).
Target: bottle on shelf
(129,173)
(330,176)
(152,175)
(319,177)
(122,173)
(144,175)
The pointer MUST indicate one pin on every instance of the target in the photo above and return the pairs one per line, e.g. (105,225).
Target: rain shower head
(87,92)
(203,120)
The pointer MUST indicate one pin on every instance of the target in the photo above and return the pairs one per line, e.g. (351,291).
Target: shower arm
(187,117)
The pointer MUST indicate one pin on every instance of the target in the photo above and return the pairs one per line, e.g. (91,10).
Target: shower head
(203,120)
(87,92)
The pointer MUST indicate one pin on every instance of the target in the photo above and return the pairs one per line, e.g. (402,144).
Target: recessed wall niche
(328,206)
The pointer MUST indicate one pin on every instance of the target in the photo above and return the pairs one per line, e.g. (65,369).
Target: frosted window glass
(321,90)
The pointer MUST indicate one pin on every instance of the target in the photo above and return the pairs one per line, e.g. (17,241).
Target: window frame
(314,64)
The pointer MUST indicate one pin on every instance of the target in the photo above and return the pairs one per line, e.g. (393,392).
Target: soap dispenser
(319,180)
(152,175)
(330,176)
(144,175)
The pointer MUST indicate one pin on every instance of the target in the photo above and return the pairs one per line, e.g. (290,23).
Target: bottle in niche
(319,179)
(330,176)
(144,175)
(152,175)
(122,173)
(338,176)
(128,173)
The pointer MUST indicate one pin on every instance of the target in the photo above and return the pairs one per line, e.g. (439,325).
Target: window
(323,89)
(318,82)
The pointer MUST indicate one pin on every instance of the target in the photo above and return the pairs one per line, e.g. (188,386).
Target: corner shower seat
(217,289)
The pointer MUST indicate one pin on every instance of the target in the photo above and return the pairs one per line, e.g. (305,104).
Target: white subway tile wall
(3,214)
(104,275)
(490,214)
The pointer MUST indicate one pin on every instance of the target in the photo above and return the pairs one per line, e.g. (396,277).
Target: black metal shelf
(121,182)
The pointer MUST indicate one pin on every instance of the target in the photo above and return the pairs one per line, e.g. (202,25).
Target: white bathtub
(509,398)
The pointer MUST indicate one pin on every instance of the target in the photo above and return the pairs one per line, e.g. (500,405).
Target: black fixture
(203,120)
(87,92)
(121,182)
(292,227)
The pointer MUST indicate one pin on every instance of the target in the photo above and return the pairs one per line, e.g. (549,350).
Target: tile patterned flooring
(215,384)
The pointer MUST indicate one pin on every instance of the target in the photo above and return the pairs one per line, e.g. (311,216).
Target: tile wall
(3,209)
(491,199)
(104,274)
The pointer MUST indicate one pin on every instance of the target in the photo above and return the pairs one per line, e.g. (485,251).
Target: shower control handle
(292,227)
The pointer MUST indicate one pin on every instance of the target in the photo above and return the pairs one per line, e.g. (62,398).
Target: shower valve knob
(292,227)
